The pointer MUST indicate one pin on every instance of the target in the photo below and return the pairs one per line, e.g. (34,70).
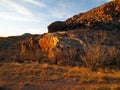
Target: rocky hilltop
(105,17)
(89,39)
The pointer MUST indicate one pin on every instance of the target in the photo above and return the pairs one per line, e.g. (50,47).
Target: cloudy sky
(33,16)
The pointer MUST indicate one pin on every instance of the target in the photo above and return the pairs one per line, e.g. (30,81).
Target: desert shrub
(96,54)
(93,52)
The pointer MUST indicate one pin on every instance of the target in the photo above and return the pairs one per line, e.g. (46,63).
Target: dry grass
(19,75)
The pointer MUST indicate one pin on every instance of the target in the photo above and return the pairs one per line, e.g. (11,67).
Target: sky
(33,16)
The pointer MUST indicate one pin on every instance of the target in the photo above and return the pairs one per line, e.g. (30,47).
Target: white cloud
(19,31)
(35,2)
(18,8)
(15,17)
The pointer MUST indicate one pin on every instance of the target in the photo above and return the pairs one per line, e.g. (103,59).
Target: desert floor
(34,76)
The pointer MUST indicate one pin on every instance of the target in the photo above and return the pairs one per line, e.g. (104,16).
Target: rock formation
(74,43)
(105,17)
(20,48)
(48,41)
(57,26)
(90,39)
(70,45)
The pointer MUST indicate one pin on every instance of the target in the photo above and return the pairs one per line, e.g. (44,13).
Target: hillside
(69,47)
(104,17)
(80,53)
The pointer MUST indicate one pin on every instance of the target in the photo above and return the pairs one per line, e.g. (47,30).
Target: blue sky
(33,16)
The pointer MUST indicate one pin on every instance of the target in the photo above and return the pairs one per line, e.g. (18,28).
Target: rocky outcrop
(61,48)
(66,48)
(85,45)
(104,17)
(73,45)
(20,48)
(57,26)
(58,45)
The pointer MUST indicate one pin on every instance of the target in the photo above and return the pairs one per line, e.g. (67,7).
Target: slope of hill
(104,17)
(80,53)
(69,47)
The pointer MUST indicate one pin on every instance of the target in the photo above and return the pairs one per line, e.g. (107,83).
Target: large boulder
(56,26)
(62,48)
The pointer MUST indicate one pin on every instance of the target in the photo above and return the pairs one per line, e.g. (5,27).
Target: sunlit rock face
(104,17)
(48,41)
(62,47)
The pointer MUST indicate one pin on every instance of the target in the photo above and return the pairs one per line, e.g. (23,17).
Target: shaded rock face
(20,48)
(105,17)
(56,26)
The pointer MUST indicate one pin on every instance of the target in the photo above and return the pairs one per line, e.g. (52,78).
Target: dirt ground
(34,76)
